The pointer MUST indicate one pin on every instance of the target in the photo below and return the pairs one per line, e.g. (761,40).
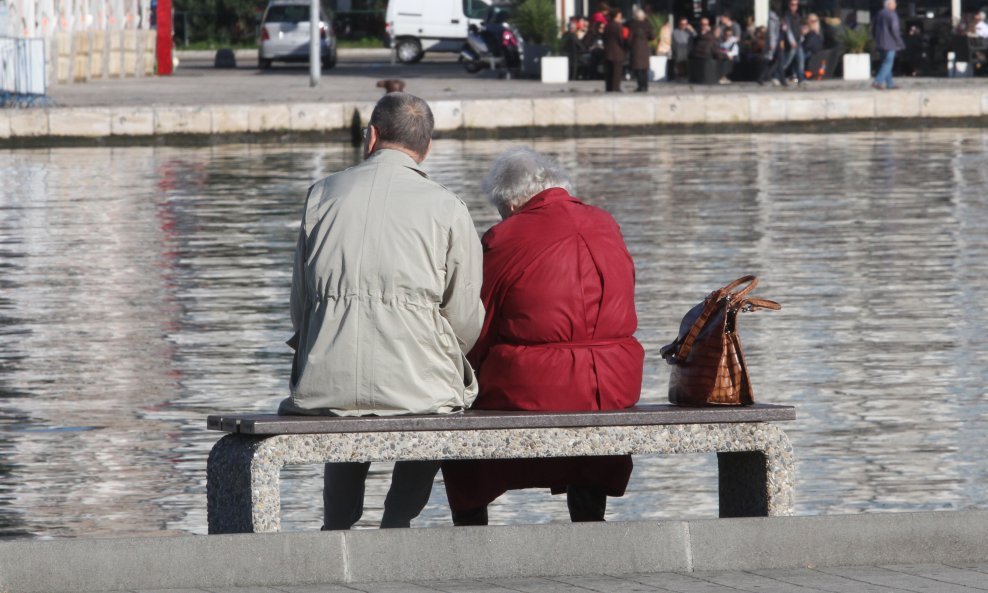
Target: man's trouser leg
(585,504)
(343,494)
(884,75)
(411,485)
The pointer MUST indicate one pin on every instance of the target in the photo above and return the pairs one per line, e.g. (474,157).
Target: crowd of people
(782,52)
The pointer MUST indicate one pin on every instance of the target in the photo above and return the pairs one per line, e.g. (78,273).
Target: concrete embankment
(739,111)
(414,555)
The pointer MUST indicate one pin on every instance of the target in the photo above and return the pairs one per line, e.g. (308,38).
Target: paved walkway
(437,77)
(911,578)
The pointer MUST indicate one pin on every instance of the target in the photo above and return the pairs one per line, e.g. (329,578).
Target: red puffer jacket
(558,292)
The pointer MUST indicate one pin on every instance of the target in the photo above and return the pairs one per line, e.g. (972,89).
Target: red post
(164,19)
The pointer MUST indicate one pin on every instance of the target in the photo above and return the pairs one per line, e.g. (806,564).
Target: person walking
(640,44)
(385,302)
(614,54)
(888,40)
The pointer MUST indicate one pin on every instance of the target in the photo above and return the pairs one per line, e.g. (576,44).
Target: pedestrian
(614,54)
(640,45)
(385,302)
(888,40)
(559,296)
(682,43)
(771,52)
(793,61)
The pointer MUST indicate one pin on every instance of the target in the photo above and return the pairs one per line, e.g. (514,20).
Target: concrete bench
(755,461)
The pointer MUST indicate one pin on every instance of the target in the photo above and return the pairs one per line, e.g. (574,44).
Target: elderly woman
(558,333)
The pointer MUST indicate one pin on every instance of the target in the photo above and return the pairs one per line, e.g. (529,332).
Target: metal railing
(22,66)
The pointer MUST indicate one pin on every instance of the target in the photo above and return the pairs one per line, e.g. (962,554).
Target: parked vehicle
(284,35)
(496,45)
(414,27)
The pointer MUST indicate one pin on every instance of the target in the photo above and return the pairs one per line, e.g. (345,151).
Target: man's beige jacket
(385,295)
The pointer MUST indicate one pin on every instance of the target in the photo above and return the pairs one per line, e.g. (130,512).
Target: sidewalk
(907,578)
(940,552)
(245,104)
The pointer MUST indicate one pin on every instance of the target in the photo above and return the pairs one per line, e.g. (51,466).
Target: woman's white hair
(519,174)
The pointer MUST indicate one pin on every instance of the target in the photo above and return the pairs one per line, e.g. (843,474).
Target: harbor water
(143,288)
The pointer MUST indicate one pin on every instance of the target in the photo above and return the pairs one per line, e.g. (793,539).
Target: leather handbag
(708,366)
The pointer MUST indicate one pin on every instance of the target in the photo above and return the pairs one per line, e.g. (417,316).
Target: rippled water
(144,288)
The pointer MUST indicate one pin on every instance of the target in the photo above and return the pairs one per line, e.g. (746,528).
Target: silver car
(284,35)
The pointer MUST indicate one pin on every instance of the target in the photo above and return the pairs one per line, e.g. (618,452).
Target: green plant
(657,20)
(536,21)
(856,41)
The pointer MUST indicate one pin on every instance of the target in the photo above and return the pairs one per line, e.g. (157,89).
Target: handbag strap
(735,299)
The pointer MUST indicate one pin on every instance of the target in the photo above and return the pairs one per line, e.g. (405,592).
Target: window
(475,9)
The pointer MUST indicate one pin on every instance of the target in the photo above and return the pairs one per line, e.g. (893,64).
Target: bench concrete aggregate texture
(756,464)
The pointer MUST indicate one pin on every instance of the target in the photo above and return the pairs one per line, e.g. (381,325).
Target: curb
(258,560)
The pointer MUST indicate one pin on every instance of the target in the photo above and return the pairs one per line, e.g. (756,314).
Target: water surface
(144,288)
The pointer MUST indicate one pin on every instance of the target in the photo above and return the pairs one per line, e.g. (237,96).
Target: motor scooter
(497,46)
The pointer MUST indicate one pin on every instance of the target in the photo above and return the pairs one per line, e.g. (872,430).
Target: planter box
(857,66)
(555,69)
(531,57)
(657,67)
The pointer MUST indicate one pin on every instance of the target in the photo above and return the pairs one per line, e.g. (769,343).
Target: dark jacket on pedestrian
(707,47)
(614,42)
(641,49)
(812,43)
(886,31)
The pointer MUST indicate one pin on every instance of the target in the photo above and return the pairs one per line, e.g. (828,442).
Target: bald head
(403,121)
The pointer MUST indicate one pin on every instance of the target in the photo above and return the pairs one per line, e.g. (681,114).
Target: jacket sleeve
(299,299)
(464,274)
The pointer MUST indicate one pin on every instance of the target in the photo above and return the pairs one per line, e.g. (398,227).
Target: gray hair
(404,120)
(519,174)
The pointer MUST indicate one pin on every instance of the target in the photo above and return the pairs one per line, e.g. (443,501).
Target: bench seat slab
(243,471)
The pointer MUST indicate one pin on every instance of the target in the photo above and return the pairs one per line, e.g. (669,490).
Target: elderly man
(888,40)
(385,302)
(559,293)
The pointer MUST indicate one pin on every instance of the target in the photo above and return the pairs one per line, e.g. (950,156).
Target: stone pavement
(201,102)
(437,77)
(900,578)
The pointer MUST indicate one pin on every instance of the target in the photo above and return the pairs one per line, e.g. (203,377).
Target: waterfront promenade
(942,552)
(200,101)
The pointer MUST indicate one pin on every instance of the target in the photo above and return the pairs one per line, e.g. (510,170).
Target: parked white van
(414,27)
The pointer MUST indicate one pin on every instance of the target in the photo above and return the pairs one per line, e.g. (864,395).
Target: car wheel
(408,51)
(263,64)
(473,67)
(329,61)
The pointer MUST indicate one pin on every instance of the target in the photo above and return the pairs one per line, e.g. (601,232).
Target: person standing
(614,54)
(641,48)
(385,302)
(792,23)
(682,44)
(888,40)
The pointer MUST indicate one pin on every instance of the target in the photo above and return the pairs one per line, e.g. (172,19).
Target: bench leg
(743,486)
(231,490)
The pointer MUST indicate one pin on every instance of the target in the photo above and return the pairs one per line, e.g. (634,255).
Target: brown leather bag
(707,361)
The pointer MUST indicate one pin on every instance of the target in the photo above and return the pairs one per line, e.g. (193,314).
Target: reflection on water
(144,288)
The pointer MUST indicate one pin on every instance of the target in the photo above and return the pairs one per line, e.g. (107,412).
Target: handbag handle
(736,299)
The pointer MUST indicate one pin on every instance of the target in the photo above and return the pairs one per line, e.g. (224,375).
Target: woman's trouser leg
(411,486)
(585,504)
(343,494)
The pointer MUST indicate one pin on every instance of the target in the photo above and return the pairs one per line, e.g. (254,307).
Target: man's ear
(372,139)
(426,153)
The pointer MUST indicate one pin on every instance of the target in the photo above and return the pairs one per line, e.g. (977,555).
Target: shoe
(877,86)
(775,82)
(724,80)
(892,87)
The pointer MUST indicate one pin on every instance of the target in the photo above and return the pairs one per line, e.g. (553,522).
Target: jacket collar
(546,198)
(397,157)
